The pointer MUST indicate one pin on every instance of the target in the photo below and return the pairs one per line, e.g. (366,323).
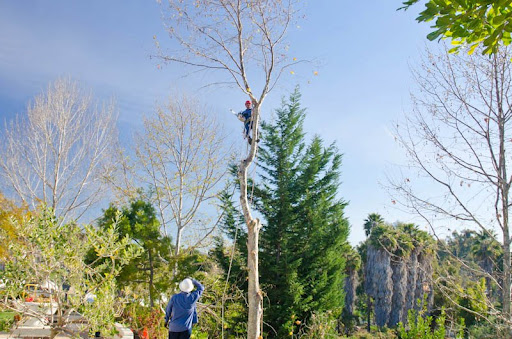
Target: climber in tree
(245,117)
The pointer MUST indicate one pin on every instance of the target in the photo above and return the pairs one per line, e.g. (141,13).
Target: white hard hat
(186,285)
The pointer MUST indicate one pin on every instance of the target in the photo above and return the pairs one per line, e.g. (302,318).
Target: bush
(377,333)
(321,325)
(488,331)
(418,326)
(6,321)
(140,319)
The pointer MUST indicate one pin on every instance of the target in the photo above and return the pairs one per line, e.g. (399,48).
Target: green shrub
(321,325)
(377,333)
(488,331)
(140,318)
(418,326)
(6,321)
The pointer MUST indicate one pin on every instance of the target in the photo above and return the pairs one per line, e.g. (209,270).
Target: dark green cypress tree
(276,196)
(320,235)
(304,232)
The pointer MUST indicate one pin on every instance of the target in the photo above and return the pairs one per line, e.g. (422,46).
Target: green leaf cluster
(419,326)
(400,239)
(147,275)
(474,23)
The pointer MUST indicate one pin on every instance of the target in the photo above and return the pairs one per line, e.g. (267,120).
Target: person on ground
(181,311)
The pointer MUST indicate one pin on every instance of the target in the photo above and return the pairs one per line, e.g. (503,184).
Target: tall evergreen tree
(304,232)
(321,233)
(305,229)
(277,198)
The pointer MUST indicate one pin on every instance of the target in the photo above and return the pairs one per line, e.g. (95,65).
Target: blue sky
(362,52)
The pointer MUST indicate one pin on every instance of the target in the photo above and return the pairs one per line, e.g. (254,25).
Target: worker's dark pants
(247,126)
(180,335)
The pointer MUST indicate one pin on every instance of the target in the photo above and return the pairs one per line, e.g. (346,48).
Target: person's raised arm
(199,290)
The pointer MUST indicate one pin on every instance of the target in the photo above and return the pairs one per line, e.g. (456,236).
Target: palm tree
(373,219)
(486,250)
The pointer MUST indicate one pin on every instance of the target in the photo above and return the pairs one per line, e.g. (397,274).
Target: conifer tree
(304,230)
(139,222)
(277,197)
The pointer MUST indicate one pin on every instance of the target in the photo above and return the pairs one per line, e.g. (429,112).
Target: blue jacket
(247,115)
(181,309)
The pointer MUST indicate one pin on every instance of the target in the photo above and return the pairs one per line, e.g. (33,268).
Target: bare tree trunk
(504,185)
(369,313)
(506,273)
(255,296)
(383,287)
(350,291)
(424,287)
(177,251)
(151,276)
(379,284)
(399,277)
(253,227)
(412,276)
(506,248)
(178,241)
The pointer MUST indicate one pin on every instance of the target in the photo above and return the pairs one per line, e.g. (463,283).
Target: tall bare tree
(458,139)
(181,157)
(59,152)
(241,39)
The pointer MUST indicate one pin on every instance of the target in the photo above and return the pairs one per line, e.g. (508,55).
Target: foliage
(419,325)
(475,23)
(304,229)
(139,222)
(373,220)
(234,288)
(467,276)
(376,333)
(8,210)
(232,262)
(50,254)
(7,319)
(222,308)
(485,330)
(141,318)
(320,325)
(473,303)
